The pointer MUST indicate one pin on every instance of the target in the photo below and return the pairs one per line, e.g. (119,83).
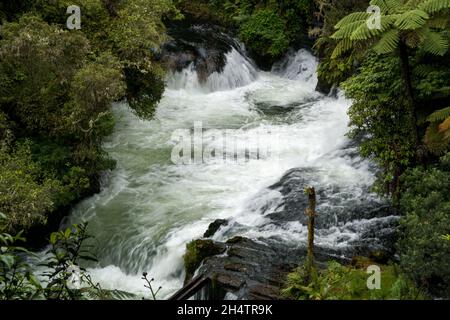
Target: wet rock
(204,47)
(257,268)
(264,292)
(214,227)
(323,86)
(197,251)
(251,269)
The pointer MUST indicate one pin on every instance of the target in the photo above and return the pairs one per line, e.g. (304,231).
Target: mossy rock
(197,251)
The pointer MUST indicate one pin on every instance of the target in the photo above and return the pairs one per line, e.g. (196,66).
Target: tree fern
(342,47)
(352,17)
(412,19)
(346,30)
(388,42)
(434,42)
(388,6)
(437,136)
(432,6)
(439,115)
(436,140)
(444,127)
(439,21)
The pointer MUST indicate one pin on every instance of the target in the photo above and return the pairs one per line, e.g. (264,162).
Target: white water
(150,208)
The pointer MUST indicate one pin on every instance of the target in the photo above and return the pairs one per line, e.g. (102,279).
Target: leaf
(436,142)
(342,47)
(346,30)
(53,237)
(444,126)
(352,17)
(388,42)
(412,20)
(8,260)
(434,42)
(387,6)
(34,281)
(432,6)
(439,115)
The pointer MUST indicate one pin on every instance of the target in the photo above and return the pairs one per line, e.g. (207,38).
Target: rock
(246,268)
(323,86)
(204,47)
(197,251)
(214,227)
(264,292)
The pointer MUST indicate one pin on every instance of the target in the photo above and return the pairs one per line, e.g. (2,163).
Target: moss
(196,252)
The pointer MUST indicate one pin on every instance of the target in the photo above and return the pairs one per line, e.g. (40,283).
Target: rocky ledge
(243,268)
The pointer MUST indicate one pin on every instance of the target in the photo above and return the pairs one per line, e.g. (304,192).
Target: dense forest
(58,86)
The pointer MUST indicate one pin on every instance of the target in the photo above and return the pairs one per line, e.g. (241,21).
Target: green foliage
(338,282)
(26,194)
(63,278)
(17,280)
(335,70)
(59,95)
(406,20)
(264,32)
(65,274)
(424,253)
(380,116)
(432,87)
(266,27)
(37,62)
(94,16)
(136,34)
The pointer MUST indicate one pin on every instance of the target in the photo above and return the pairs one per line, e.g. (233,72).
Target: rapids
(149,207)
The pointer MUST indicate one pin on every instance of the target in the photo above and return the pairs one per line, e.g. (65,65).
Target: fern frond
(432,6)
(434,42)
(352,17)
(439,21)
(436,141)
(422,70)
(363,32)
(439,115)
(444,126)
(387,6)
(346,30)
(388,42)
(342,47)
(412,19)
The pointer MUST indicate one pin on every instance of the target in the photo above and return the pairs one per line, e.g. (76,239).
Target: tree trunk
(311,213)
(406,73)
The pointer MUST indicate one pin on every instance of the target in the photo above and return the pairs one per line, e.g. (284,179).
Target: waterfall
(149,207)
(239,71)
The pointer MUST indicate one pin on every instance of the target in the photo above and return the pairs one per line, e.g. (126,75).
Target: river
(150,207)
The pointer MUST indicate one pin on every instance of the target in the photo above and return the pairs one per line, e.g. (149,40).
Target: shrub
(265,32)
(338,282)
(423,248)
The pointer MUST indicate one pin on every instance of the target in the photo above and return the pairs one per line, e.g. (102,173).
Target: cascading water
(149,208)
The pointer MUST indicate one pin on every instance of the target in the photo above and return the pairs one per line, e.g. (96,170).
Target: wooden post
(311,213)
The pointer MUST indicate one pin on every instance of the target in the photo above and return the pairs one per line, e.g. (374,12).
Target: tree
(26,195)
(405,24)
(377,116)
